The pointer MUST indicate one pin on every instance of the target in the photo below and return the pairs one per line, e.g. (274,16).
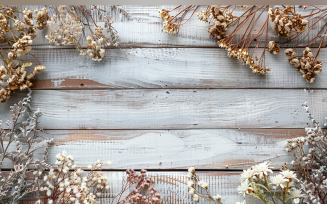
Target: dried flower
(219,17)
(140,188)
(199,188)
(13,68)
(310,161)
(66,183)
(22,134)
(259,181)
(307,64)
(172,23)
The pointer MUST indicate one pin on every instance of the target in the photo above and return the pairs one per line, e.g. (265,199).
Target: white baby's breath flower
(195,197)
(190,183)
(191,169)
(191,191)
(217,197)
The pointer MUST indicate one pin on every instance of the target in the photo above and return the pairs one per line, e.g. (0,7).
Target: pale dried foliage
(18,144)
(72,25)
(16,71)
(310,161)
(200,188)
(70,184)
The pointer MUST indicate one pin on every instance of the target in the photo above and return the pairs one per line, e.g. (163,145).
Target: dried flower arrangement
(70,24)
(139,186)
(199,188)
(172,23)
(65,184)
(21,133)
(14,69)
(258,181)
(310,161)
(288,23)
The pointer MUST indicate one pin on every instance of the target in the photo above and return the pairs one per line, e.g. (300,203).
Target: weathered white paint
(167,149)
(166,68)
(174,108)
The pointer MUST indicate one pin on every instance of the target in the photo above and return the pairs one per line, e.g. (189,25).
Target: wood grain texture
(173,187)
(171,149)
(165,68)
(145,29)
(174,108)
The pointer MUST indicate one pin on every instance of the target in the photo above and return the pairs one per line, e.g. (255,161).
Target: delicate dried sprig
(199,188)
(173,23)
(139,186)
(14,69)
(66,183)
(22,134)
(258,181)
(310,161)
(69,24)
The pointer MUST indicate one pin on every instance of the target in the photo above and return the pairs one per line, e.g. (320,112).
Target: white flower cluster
(307,64)
(67,185)
(95,41)
(195,185)
(243,55)
(260,175)
(64,28)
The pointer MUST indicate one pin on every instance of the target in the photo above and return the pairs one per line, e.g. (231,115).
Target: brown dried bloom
(307,64)
(286,20)
(219,17)
(139,186)
(273,47)
(172,23)
(14,69)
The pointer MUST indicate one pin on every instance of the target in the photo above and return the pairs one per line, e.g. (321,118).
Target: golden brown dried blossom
(14,69)
(219,17)
(243,55)
(307,64)
(273,47)
(286,20)
(172,23)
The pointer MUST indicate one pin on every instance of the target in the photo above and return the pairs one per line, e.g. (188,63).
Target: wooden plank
(144,30)
(172,186)
(174,108)
(166,68)
(171,149)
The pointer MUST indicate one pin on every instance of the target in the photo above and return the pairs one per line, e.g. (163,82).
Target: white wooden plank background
(174,108)
(165,68)
(167,102)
